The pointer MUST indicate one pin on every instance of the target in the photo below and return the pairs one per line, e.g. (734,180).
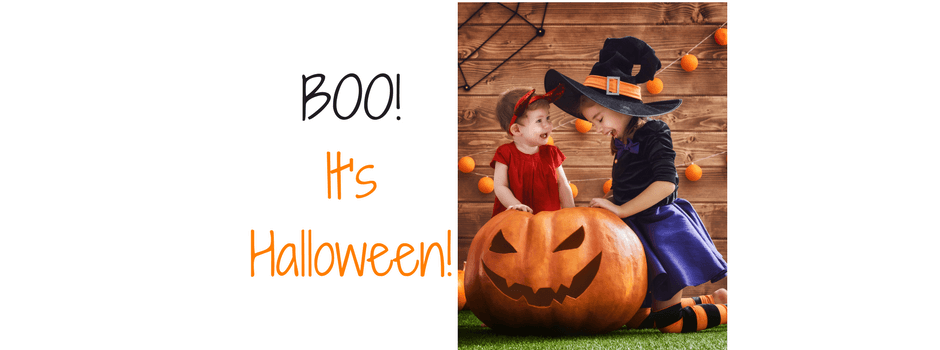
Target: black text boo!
(367,100)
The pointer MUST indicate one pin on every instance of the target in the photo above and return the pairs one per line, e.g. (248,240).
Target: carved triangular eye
(501,245)
(572,241)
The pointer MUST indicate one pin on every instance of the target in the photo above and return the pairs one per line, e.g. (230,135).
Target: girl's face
(537,127)
(606,121)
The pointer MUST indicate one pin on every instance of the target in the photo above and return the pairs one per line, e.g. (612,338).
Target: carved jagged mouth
(544,296)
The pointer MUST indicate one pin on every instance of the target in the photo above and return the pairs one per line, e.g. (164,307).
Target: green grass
(472,335)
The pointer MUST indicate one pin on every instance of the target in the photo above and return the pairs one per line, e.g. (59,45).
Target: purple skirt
(679,251)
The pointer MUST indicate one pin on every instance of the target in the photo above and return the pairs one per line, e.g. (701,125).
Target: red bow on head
(529,97)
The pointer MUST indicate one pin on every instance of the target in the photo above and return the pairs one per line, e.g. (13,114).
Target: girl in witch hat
(527,172)
(644,189)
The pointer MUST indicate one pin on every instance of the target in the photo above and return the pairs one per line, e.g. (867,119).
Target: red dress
(532,178)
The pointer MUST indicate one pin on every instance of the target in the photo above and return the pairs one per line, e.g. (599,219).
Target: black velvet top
(655,161)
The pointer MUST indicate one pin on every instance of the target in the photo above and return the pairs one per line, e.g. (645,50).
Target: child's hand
(603,203)
(521,207)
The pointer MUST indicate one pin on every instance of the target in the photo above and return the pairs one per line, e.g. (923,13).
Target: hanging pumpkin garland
(485,184)
(693,172)
(466,164)
(721,36)
(689,62)
(582,125)
(655,86)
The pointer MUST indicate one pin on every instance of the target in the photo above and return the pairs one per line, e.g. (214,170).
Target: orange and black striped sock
(642,320)
(701,299)
(685,319)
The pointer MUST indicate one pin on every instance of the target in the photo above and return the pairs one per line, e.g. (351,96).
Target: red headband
(528,98)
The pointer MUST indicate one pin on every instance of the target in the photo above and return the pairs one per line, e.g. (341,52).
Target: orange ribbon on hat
(613,86)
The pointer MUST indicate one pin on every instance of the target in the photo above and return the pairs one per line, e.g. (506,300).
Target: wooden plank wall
(574,33)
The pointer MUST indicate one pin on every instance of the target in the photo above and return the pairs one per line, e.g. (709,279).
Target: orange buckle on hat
(622,88)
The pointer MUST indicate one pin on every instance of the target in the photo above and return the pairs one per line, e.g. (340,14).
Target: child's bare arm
(564,190)
(502,191)
(654,193)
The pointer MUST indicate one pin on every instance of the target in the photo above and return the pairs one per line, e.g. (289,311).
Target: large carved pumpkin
(571,271)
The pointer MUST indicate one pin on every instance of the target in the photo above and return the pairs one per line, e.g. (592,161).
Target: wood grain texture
(697,113)
(711,188)
(592,149)
(709,79)
(561,43)
(651,14)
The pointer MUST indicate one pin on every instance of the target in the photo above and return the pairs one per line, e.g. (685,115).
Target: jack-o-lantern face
(544,296)
(574,271)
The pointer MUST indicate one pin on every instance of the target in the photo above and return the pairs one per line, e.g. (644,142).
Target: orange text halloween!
(320,99)
(286,258)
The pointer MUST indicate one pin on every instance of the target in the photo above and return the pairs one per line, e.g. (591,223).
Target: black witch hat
(611,82)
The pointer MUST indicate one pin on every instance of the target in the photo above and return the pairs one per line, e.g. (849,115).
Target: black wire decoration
(539,31)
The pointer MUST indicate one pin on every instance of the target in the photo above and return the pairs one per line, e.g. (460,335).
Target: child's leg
(671,316)
(678,319)
(719,296)
(641,320)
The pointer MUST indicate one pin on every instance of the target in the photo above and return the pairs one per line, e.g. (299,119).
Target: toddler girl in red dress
(528,175)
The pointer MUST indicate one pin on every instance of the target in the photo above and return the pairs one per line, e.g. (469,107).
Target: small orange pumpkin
(721,36)
(693,172)
(461,298)
(571,271)
(466,164)
(583,126)
(654,86)
(689,62)
(485,184)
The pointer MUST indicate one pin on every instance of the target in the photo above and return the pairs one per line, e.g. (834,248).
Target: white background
(142,142)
